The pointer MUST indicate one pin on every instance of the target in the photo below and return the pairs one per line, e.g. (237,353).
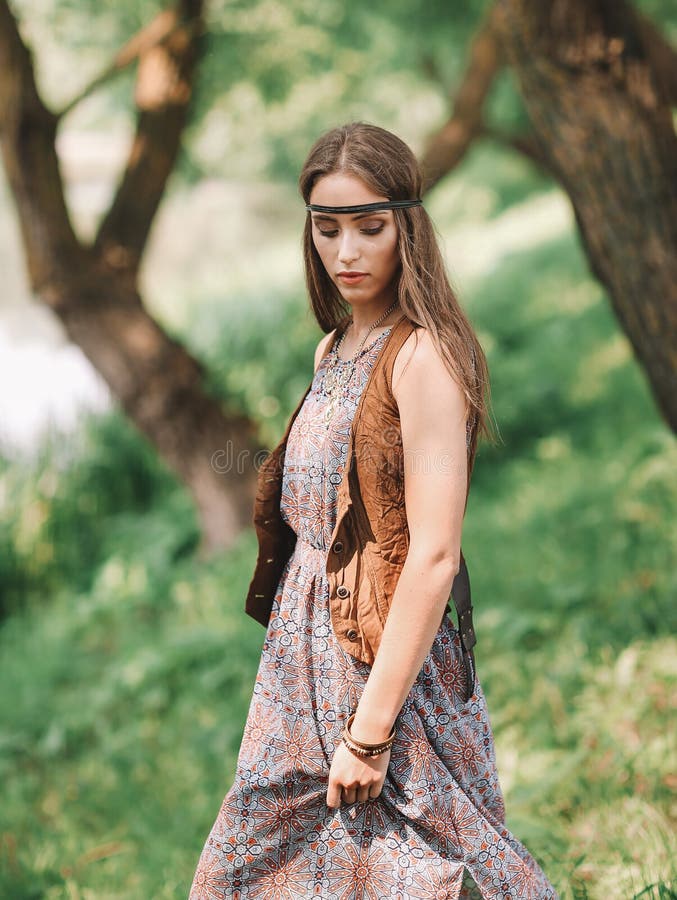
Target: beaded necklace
(336,377)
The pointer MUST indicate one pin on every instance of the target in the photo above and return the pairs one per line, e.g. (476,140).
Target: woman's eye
(333,233)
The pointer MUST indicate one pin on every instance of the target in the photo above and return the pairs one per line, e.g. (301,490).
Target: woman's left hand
(354,779)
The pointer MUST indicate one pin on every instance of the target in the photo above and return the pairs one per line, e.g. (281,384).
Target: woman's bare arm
(433,420)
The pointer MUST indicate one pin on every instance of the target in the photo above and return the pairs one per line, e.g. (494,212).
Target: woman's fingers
(349,794)
(334,794)
(338,794)
(363,793)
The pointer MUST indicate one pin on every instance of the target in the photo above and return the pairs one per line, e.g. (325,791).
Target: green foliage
(91,486)
(274,74)
(247,369)
(104,690)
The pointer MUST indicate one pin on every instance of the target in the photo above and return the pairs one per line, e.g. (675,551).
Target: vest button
(343,591)
(351,634)
(338,546)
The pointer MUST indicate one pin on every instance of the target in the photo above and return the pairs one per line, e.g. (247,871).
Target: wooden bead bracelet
(361,749)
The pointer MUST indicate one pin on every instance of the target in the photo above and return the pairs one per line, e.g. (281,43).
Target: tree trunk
(93,290)
(604,123)
(161,388)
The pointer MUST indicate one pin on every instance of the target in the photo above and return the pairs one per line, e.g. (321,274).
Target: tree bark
(604,124)
(93,289)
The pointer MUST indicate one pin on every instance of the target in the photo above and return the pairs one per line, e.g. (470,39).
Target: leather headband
(364,207)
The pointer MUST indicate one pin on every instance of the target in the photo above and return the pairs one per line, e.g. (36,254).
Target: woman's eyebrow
(322,216)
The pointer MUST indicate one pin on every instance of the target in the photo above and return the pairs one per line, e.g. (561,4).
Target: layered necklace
(336,378)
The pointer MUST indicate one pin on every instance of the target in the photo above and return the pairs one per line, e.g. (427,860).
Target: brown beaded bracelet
(361,749)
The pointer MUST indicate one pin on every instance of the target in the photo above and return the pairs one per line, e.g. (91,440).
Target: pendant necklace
(336,378)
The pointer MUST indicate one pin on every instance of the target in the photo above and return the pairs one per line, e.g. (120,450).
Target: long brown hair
(387,165)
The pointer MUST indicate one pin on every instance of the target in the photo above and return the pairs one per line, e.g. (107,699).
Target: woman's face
(364,243)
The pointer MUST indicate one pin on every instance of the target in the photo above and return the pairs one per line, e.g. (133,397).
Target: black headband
(364,207)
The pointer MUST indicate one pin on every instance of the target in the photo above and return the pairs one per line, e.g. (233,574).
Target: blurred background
(153,312)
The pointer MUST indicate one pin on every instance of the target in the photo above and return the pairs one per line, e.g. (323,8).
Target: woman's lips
(352,279)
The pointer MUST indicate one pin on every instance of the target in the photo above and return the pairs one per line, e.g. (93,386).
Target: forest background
(126,659)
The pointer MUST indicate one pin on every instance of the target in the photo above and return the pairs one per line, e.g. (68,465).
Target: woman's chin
(350,292)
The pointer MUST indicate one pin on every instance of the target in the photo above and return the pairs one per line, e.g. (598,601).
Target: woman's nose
(348,248)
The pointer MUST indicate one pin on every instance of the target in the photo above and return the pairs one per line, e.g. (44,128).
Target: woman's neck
(362,320)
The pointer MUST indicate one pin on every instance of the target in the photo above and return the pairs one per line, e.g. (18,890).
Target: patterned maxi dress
(440,810)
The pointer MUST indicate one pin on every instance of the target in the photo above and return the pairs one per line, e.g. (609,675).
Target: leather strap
(460,592)
(365,207)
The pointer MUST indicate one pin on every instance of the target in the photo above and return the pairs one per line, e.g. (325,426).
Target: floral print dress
(436,831)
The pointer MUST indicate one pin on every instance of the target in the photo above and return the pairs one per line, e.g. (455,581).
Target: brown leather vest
(370,539)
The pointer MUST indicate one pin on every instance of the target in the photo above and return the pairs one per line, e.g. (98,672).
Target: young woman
(367,767)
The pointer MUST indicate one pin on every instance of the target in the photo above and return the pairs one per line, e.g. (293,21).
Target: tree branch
(446,147)
(162,27)
(27,133)
(163,90)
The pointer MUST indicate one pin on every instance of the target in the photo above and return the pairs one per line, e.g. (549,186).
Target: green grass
(127,665)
